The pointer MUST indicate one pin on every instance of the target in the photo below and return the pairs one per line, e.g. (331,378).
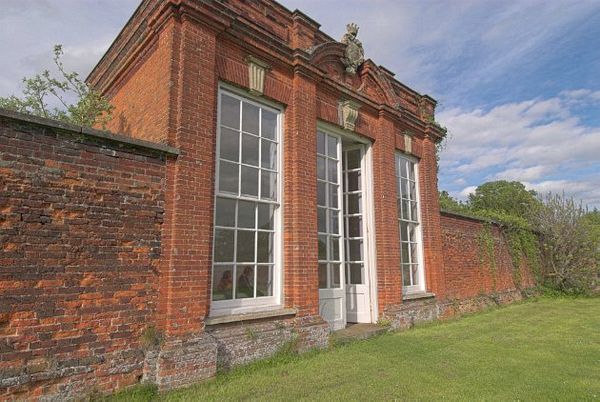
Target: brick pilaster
(301,289)
(389,279)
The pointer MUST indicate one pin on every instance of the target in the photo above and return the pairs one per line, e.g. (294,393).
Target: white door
(332,306)
(358,304)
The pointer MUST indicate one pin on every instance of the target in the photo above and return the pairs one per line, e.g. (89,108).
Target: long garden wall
(80,240)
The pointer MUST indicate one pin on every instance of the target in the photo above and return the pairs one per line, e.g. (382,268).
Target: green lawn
(547,349)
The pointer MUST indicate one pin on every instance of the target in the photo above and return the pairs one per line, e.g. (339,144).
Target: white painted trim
(369,216)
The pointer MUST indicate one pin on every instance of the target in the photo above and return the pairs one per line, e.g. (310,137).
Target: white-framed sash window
(409,224)
(246,269)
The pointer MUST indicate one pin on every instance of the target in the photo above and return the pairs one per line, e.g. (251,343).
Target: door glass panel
(353,218)
(356,274)
(329,214)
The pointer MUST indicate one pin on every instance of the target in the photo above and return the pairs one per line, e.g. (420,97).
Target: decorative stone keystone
(256,74)
(407,143)
(348,113)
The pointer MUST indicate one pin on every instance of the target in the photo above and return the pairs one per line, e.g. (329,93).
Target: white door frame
(370,262)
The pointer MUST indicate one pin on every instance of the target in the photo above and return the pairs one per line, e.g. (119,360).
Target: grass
(548,349)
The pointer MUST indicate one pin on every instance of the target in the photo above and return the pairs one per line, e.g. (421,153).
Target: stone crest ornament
(355,54)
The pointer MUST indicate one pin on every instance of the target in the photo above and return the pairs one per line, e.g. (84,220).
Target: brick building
(296,193)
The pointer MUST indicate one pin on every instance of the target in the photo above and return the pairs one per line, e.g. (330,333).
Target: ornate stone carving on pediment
(354,55)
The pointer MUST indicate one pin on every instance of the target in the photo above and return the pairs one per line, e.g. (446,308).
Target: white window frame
(266,303)
(421,286)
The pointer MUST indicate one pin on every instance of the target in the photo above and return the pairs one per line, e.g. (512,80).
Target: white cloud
(466,191)
(537,141)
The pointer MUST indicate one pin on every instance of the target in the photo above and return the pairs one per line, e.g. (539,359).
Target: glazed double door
(344,294)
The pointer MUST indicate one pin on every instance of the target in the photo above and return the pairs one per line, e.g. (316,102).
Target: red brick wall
(142,93)
(80,243)
(469,270)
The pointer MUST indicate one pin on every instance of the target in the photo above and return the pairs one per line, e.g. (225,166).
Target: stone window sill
(417,296)
(249,316)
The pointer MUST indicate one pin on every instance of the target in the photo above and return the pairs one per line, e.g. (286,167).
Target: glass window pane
(404,188)
(269,124)
(246,214)
(224,245)
(250,118)
(250,149)
(334,251)
(403,172)
(355,250)
(264,280)
(333,195)
(249,181)
(414,253)
(356,274)
(321,174)
(405,210)
(264,247)
(228,177)
(413,211)
(244,286)
(353,181)
(413,191)
(225,212)
(354,226)
(320,143)
(229,144)
(332,146)
(354,203)
(268,155)
(265,216)
(322,247)
(268,189)
(404,231)
(322,220)
(411,171)
(230,111)
(334,221)
(322,276)
(405,257)
(245,246)
(412,232)
(353,159)
(415,274)
(321,193)
(222,282)
(335,275)
(332,171)
(406,275)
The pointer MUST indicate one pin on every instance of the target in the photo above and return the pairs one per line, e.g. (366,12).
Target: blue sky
(518,82)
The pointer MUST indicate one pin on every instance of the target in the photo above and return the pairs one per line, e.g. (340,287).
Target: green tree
(449,203)
(569,248)
(509,197)
(90,108)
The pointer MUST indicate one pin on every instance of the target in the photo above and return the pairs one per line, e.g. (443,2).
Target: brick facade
(115,236)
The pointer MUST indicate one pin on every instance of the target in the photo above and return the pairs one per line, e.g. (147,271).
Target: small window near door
(409,224)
